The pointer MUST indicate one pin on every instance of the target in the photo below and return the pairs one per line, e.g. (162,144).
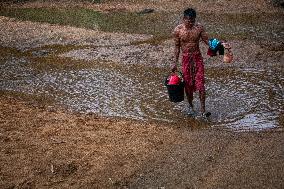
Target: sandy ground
(26,35)
(47,148)
(43,147)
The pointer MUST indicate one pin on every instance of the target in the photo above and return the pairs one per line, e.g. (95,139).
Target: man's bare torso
(188,38)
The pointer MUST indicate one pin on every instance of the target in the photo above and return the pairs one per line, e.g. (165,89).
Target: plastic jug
(228,57)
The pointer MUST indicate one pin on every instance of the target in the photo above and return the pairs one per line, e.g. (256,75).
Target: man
(187,36)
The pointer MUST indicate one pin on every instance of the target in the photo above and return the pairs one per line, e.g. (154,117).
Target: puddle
(251,98)
(253,122)
(240,99)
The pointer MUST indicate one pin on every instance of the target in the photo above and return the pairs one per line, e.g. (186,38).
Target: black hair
(190,13)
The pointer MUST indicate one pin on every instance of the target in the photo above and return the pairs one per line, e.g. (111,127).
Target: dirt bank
(43,148)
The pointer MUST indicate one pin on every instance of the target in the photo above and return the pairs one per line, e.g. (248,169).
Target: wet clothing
(192,61)
(213,43)
(193,71)
(215,46)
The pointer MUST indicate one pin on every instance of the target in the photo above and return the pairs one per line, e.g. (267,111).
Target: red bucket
(175,87)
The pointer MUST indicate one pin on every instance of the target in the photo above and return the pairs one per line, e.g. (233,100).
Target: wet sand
(46,146)
(88,71)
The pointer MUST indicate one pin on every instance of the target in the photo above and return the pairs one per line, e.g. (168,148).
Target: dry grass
(163,5)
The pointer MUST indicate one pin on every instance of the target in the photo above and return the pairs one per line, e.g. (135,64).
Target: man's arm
(204,36)
(177,49)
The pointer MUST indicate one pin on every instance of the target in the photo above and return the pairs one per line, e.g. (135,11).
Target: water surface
(239,99)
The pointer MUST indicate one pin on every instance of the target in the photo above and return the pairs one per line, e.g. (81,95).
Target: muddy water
(239,98)
(246,98)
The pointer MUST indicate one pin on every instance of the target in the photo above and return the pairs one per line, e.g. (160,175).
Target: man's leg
(189,95)
(199,83)
(202,96)
(202,100)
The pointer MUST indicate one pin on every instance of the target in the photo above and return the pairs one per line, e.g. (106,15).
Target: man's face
(188,21)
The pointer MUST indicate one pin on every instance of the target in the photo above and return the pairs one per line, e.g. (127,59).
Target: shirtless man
(187,36)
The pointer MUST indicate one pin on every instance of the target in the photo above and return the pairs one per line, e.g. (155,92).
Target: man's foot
(190,111)
(204,116)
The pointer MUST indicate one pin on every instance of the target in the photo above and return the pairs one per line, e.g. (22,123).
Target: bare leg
(189,96)
(202,100)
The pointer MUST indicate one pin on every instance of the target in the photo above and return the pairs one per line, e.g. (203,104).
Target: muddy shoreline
(47,148)
(39,56)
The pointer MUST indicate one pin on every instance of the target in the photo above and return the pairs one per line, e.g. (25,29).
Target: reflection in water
(241,99)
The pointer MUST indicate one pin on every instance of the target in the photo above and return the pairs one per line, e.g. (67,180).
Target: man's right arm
(177,49)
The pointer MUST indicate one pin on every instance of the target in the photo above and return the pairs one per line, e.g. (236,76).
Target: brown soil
(44,147)
(47,148)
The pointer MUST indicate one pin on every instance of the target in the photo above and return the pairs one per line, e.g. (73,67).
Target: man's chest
(189,35)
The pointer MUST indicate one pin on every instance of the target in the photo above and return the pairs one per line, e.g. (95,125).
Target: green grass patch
(74,17)
(243,19)
(157,24)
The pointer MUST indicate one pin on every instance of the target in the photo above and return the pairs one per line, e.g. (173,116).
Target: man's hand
(174,67)
(226,45)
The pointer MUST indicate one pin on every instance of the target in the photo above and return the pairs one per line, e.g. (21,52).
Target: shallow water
(240,99)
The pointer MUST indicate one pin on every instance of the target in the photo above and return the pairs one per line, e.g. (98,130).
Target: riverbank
(48,148)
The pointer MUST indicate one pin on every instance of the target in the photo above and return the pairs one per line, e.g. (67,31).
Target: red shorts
(193,72)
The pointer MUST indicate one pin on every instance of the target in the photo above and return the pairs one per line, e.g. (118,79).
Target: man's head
(189,16)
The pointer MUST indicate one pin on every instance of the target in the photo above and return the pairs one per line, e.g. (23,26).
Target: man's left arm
(204,35)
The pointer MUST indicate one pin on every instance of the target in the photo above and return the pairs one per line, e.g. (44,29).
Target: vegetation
(159,24)
(155,23)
